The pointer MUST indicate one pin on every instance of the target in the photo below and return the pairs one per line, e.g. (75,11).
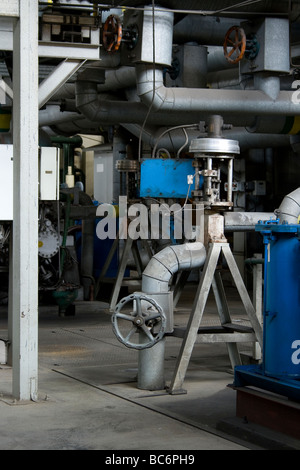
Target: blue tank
(281,345)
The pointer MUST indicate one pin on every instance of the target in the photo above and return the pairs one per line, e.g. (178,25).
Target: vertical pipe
(25,217)
(87,255)
(151,363)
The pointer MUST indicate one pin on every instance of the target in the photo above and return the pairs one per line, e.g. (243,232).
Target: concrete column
(25,219)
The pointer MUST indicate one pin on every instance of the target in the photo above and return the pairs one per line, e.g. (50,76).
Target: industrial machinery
(59,275)
(279,371)
(195,121)
(212,170)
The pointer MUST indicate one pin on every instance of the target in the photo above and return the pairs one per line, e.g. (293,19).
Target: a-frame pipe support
(207,281)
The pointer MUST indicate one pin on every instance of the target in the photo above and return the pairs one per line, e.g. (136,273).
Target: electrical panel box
(6,182)
(259,188)
(49,173)
(167,178)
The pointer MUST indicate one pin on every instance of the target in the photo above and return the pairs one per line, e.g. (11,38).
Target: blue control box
(167,178)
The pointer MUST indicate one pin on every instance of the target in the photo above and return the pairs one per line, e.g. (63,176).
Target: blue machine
(279,371)
(166,178)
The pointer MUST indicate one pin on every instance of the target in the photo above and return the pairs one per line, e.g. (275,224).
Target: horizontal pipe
(154,93)
(175,139)
(52,115)
(242,221)
(99,109)
(204,30)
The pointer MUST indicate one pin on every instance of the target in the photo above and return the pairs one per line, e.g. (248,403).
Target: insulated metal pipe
(151,374)
(172,259)
(159,271)
(204,30)
(102,109)
(289,210)
(174,140)
(152,91)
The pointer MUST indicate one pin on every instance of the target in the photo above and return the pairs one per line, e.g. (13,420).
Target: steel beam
(25,219)
(9,8)
(57,78)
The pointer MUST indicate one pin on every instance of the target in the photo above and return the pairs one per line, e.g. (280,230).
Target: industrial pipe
(102,109)
(174,140)
(155,281)
(52,115)
(172,259)
(153,92)
(204,30)
(289,210)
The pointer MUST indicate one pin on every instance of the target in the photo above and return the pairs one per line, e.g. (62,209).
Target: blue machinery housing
(279,371)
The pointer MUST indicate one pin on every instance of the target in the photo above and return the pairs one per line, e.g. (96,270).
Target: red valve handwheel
(112,33)
(234,44)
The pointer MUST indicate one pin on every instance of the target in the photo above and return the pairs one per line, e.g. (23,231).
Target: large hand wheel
(234,44)
(112,33)
(147,317)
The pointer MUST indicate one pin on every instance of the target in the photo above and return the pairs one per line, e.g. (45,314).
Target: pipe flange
(215,146)
(48,243)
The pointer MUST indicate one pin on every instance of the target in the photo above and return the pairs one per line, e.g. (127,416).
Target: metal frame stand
(130,246)
(229,332)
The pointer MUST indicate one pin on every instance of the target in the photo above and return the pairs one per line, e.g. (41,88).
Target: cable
(185,143)
(187,126)
(164,150)
(237,5)
(107,6)
(174,10)
(184,204)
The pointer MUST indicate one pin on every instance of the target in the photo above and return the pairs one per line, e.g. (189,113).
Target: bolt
(138,321)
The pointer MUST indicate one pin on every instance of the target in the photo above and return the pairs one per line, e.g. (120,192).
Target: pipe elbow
(166,263)
(150,87)
(289,210)
(86,98)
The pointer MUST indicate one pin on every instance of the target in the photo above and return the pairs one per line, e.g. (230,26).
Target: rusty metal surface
(269,410)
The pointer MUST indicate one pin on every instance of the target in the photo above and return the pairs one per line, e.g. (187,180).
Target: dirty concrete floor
(88,395)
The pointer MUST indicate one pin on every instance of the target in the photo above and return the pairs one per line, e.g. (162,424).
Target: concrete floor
(88,395)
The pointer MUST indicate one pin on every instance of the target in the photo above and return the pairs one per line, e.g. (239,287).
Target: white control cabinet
(6,182)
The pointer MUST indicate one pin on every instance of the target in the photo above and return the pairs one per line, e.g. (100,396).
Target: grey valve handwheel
(147,317)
